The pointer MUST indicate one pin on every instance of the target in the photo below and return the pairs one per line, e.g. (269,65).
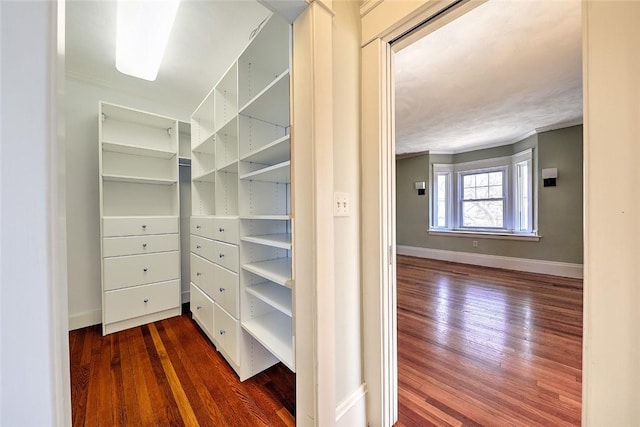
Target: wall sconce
(420,186)
(549,177)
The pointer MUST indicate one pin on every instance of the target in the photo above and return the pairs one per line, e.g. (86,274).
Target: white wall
(346,178)
(34,370)
(83,231)
(611,373)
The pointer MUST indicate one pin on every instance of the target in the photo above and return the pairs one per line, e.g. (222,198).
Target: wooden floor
(480,346)
(168,374)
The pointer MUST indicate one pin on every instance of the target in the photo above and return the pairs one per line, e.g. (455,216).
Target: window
(492,195)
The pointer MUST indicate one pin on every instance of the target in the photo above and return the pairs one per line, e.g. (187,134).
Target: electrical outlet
(341,204)
(475,243)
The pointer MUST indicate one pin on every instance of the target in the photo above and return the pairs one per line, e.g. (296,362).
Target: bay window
(491,195)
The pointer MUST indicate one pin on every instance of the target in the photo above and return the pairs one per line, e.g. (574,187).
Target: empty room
(489,200)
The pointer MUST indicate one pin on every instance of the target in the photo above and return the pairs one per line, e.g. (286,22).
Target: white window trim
(507,164)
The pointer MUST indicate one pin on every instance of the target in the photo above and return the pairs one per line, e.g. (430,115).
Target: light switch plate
(341,204)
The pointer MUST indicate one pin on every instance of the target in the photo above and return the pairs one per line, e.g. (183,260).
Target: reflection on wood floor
(482,346)
(168,374)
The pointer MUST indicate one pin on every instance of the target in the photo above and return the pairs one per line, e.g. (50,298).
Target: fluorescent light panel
(143,30)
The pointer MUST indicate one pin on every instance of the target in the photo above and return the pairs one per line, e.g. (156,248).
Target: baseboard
(352,412)
(554,268)
(186,296)
(84,319)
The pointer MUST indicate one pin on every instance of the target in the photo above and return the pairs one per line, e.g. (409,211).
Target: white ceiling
(206,38)
(491,77)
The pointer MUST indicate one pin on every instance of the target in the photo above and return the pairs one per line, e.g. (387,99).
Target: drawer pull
(144,226)
(222,289)
(199,307)
(146,300)
(198,274)
(221,255)
(145,269)
(144,245)
(222,331)
(198,247)
(197,227)
(221,230)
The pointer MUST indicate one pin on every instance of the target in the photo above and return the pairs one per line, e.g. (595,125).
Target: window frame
(454,199)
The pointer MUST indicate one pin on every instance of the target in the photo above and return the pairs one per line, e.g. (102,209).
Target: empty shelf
(206,177)
(207,146)
(276,296)
(262,105)
(137,150)
(275,240)
(273,331)
(270,217)
(276,270)
(138,179)
(280,173)
(230,166)
(273,153)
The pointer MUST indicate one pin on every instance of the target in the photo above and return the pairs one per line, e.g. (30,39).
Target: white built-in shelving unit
(139,217)
(241,191)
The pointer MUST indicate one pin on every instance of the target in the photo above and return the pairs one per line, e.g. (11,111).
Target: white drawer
(139,301)
(139,226)
(119,246)
(203,247)
(203,275)
(225,255)
(226,230)
(226,333)
(226,290)
(202,226)
(202,309)
(121,272)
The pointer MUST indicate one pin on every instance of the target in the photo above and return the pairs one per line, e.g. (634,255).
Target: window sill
(486,235)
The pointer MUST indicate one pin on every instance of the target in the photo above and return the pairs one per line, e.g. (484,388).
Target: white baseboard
(352,412)
(186,297)
(84,319)
(563,269)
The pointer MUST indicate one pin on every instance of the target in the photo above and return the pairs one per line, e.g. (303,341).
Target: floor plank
(482,346)
(168,373)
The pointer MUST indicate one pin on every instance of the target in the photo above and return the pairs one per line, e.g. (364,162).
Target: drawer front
(139,301)
(119,246)
(203,247)
(226,333)
(226,230)
(121,272)
(202,309)
(226,290)
(203,275)
(226,255)
(139,226)
(202,226)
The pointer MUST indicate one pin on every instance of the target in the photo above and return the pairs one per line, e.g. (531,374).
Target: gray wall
(559,208)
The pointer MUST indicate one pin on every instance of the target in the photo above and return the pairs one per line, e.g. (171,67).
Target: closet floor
(168,373)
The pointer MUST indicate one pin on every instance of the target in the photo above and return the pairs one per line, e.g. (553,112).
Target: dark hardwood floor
(168,374)
(482,346)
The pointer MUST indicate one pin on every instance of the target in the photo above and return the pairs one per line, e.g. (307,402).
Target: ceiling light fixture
(143,29)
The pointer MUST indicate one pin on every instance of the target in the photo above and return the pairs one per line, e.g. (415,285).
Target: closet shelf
(206,146)
(274,332)
(275,270)
(269,217)
(231,166)
(261,106)
(276,296)
(206,177)
(280,173)
(138,179)
(275,240)
(273,153)
(137,150)
(230,127)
